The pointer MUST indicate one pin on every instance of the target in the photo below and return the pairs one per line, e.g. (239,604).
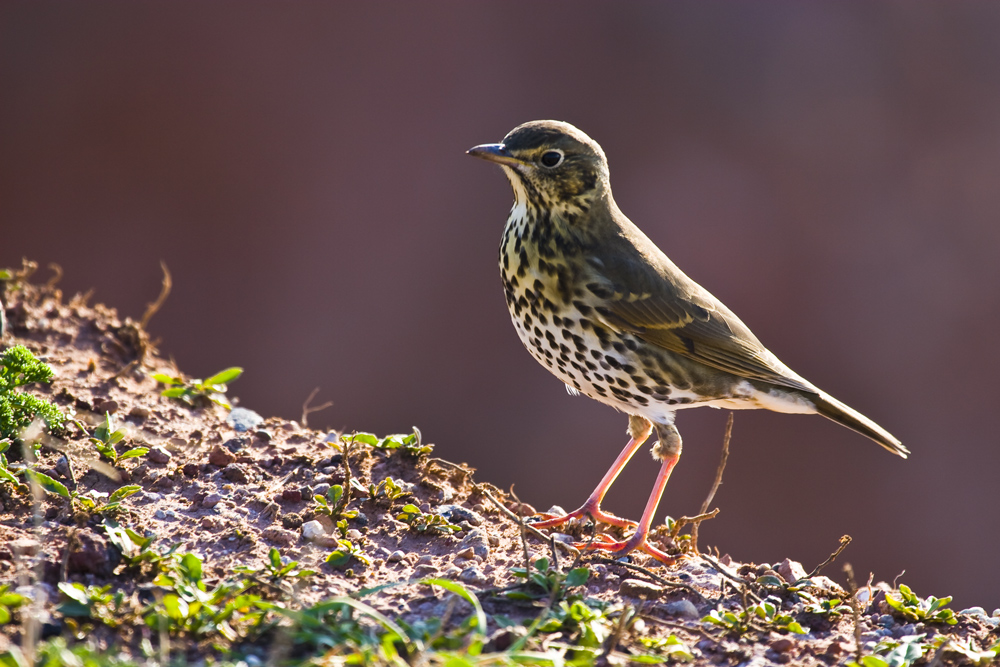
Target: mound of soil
(230,490)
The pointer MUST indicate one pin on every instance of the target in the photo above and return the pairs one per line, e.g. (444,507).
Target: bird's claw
(595,514)
(621,548)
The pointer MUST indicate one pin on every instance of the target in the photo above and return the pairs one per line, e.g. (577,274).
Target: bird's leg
(668,450)
(639,430)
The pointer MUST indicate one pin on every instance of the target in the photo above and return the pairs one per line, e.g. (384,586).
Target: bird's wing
(645,294)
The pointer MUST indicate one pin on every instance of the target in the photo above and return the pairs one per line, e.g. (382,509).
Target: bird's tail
(833,409)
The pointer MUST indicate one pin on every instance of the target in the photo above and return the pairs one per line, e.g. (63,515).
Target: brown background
(829,170)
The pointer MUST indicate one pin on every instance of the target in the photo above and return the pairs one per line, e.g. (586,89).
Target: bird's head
(550,164)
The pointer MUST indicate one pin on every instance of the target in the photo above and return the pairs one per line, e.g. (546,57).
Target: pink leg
(592,507)
(638,539)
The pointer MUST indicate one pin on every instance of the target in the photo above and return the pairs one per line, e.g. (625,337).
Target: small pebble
(321,489)
(158,455)
(277,535)
(396,556)
(153,495)
(476,539)
(452,571)
(458,514)
(466,554)
(220,456)
(235,473)
(190,470)
(312,529)
(242,419)
(291,496)
(354,534)
(426,559)
(138,413)
(638,588)
(472,575)
(682,608)
(211,500)
(425,570)
(160,514)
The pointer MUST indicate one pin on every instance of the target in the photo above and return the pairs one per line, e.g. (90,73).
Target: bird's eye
(552,159)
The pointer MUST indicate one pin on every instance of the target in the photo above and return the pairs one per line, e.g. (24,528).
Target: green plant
(334,503)
(423,522)
(902,652)
(92,602)
(386,492)
(912,608)
(106,436)
(9,600)
(831,608)
(410,444)
(346,550)
(6,473)
(669,647)
(192,391)
(540,580)
(135,548)
(768,611)
(19,367)
(277,568)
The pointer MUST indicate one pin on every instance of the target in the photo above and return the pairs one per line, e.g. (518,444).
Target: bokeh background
(829,170)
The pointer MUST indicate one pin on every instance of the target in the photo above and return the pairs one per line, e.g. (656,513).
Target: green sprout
(423,522)
(106,436)
(541,580)
(831,608)
(277,568)
(346,550)
(768,611)
(9,600)
(334,504)
(19,367)
(386,492)
(912,608)
(194,391)
(410,444)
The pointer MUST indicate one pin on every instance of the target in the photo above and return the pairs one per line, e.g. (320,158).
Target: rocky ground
(219,491)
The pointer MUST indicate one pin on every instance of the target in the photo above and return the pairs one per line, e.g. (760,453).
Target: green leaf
(365,438)
(224,377)
(132,453)
(123,492)
(47,483)
(577,577)
(338,558)
(175,392)
(74,592)
(275,558)
(166,379)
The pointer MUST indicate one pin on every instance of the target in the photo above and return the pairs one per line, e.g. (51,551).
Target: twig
(57,274)
(165,287)
(526,526)
(696,519)
(308,410)
(726,574)
(612,641)
(844,541)
(716,483)
(852,588)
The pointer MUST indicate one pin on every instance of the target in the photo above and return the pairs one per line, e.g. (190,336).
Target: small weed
(92,602)
(386,492)
(912,608)
(19,367)
(768,611)
(106,436)
(9,600)
(345,552)
(541,580)
(831,608)
(671,647)
(334,503)
(902,652)
(135,548)
(277,568)
(194,392)
(409,444)
(423,522)
(7,474)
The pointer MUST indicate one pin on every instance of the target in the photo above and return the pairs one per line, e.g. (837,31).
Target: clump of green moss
(18,367)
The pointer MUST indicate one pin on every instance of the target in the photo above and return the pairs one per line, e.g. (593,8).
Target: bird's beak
(495,153)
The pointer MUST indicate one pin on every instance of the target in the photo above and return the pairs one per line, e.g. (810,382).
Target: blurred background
(829,170)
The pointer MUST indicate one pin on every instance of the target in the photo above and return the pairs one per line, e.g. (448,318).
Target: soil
(231,495)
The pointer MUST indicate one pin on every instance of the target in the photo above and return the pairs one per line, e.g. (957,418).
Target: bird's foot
(621,548)
(589,510)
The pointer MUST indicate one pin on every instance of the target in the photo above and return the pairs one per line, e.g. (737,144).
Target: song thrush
(600,306)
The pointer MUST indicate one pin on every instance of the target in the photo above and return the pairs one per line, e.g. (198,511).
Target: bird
(598,304)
